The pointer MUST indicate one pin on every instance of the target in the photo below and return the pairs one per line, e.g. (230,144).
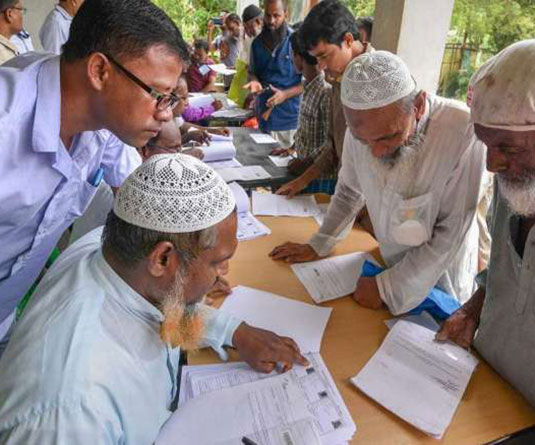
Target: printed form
(331,278)
(325,405)
(269,204)
(418,379)
(270,411)
(247,173)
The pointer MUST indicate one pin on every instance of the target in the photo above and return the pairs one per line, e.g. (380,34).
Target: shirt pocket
(81,201)
(410,222)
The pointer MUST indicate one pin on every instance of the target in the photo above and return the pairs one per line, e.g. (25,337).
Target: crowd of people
(94,139)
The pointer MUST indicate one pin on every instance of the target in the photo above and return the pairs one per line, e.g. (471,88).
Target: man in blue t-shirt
(273,76)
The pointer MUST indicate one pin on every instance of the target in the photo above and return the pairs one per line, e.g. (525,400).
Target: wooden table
(490,408)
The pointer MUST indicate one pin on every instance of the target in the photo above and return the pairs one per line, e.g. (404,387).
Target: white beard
(401,165)
(519,195)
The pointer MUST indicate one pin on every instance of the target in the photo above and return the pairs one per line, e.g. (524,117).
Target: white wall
(416,30)
(34,18)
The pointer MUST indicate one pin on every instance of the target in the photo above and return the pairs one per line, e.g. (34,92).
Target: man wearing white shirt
(415,162)
(64,126)
(11,22)
(94,359)
(55,30)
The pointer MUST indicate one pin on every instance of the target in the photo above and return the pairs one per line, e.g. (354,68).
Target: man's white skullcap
(503,89)
(174,193)
(374,80)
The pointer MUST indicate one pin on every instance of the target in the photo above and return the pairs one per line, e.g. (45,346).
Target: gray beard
(519,194)
(400,162)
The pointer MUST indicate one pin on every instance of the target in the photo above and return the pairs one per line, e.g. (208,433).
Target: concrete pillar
(242,4)
(34,18)
(416,30)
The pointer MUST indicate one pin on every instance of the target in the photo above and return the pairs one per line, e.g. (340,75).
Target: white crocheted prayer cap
(503,89)
(174,193)
(374,80)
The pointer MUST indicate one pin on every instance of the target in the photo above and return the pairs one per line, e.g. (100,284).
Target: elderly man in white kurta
(413,159)
(94,358)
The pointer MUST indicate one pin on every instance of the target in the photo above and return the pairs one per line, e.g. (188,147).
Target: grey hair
(130,244)
(406,104)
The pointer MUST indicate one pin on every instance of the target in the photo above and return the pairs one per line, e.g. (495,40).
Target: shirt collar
(7,43)
(63,13)
(124,295)
(314,82)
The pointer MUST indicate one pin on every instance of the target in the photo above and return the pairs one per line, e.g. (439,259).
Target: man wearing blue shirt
(66,122)
(55,30)
(273,76)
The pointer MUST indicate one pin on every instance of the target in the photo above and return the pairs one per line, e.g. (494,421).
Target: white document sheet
(218,151)
(281,161)
(303,322)
(232,113)
(325,403)
(247,173)
(221,68)
(248,226)
(332,277)
(230,163)
(418,379)
(263,138)
(277,205)
(424,319)
(271,411)
(200,100)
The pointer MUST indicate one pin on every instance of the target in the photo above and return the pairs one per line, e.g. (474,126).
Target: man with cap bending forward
(94,359)
(503,308)
(413,159)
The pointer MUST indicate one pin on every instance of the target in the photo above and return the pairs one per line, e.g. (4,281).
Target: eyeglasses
(163,101)
(23,10)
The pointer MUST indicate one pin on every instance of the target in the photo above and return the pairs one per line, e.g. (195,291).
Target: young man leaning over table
(314,117)
(94,359)
(414,160)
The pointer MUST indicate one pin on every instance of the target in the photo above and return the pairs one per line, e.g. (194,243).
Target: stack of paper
(233,113)
(325,413)
(274,205)
(248,226)
(200,100)
(271,411)
(331,278)
(303,322)
(263,138)
(281,161)
(416,378)
(247,173)
(229,163)
(221,68)
(219,151)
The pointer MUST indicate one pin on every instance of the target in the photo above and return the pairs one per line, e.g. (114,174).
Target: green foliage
(360,8)
(456,84)
(492,24)
(191,16)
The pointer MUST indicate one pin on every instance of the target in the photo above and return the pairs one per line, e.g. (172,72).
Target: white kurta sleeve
(52,38)
(220,328)
(345,204)
(406,284)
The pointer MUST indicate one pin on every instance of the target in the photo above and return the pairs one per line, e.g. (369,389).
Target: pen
(97,177)
(247,441)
